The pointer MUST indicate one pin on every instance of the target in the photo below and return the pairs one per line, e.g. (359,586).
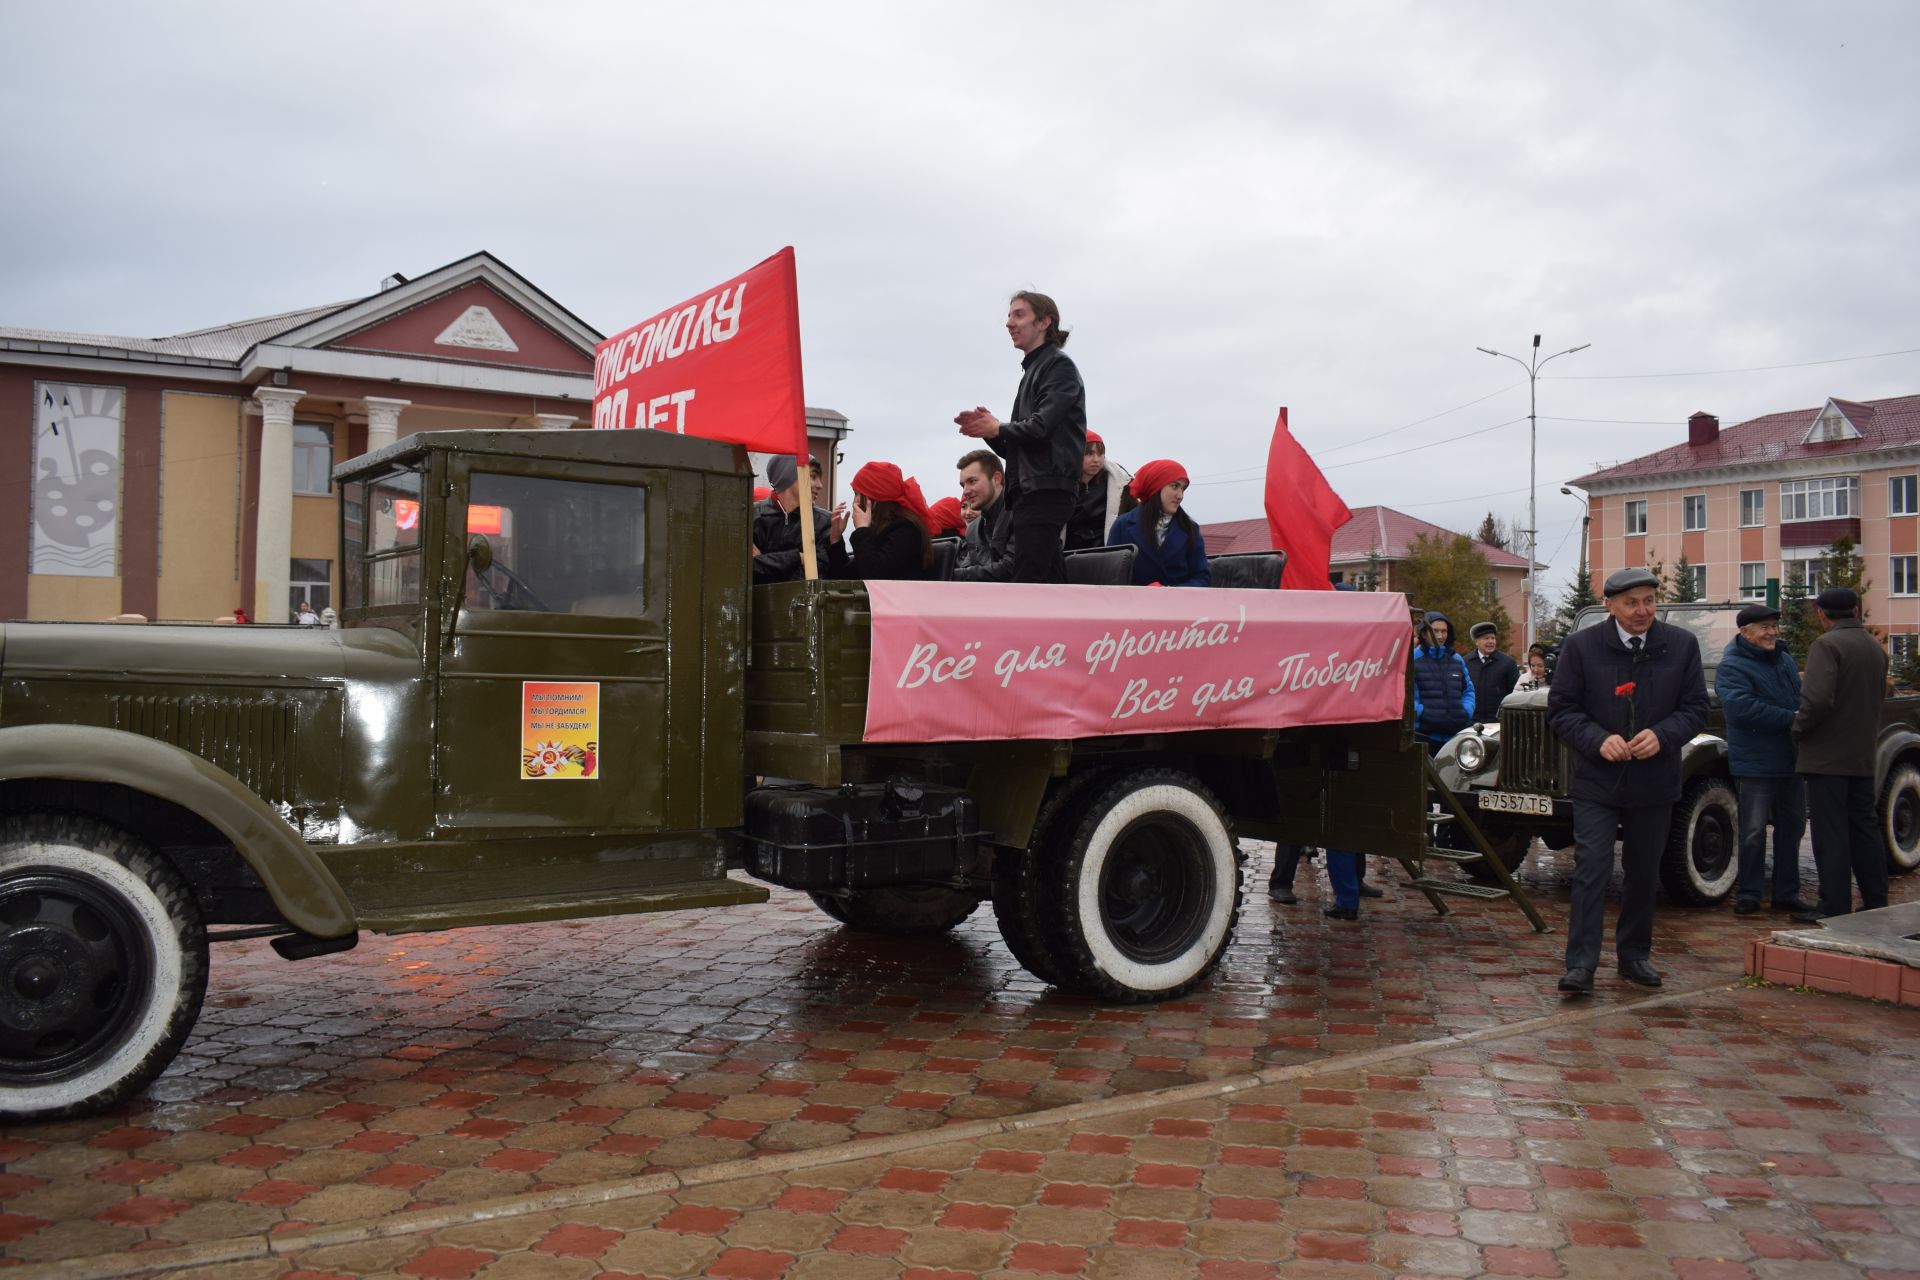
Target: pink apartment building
(1752,501)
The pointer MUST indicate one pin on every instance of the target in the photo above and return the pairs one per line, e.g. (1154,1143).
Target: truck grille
(1532,757)
(250,738)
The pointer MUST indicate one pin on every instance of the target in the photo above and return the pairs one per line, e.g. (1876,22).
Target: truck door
(552,703)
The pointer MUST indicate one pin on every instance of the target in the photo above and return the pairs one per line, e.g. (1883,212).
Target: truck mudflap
(301,887)
(861,835)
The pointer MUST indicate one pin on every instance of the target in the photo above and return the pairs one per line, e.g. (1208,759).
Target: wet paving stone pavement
(534,1070)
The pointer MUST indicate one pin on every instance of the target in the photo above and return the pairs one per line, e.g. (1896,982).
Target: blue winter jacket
(1180,562)
(1759,692)
(1442,687)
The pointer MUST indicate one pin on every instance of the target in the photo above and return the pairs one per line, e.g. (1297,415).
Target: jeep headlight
(1471,753)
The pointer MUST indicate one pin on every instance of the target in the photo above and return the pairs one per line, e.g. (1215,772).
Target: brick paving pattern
(444,1070)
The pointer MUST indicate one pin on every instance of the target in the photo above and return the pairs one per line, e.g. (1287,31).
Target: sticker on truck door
(559,729)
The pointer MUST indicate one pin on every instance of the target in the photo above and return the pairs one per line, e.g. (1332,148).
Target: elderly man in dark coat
(1494,673)
(1836,730)
(1627,695)
(1759,688)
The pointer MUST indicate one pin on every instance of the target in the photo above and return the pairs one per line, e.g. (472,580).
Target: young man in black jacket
(1626,697)
(1043,442)
(986,552)
(776,530)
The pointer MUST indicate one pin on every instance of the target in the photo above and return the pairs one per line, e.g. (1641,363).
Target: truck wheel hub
(68,968)
(1155,889)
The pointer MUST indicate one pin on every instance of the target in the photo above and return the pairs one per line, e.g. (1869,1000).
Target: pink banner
(962,661)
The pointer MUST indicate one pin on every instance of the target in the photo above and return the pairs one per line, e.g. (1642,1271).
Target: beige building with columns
(182,477)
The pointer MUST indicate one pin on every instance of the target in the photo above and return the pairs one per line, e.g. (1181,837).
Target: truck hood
(249,655)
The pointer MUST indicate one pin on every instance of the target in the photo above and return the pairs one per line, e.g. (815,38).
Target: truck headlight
(1471,753)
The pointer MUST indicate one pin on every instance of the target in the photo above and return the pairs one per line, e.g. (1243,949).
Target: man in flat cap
(776,528)
(1493,673)
(1836,730)
(1759,688)
(1627,695)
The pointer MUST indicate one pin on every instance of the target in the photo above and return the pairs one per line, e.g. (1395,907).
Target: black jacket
(1493,679)
(986,553)
(777,534)
(1837,728)
(1589,701)
(1046,437)
(892,552)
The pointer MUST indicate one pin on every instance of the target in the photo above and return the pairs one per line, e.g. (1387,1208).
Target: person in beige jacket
(1835,732)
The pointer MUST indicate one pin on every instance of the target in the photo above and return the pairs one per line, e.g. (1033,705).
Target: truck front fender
(299,883)
(1894,743)
(1704,753)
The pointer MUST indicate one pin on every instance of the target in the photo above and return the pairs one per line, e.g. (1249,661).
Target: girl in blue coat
(1168,550)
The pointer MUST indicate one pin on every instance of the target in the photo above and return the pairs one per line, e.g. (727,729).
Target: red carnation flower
(1623,690)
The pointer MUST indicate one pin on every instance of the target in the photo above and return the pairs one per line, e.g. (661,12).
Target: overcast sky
(1238,207)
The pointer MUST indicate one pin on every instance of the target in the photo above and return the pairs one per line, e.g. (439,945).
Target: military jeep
(553,694)
(1515,772)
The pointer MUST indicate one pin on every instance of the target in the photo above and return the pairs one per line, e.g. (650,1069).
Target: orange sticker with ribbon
(559,730)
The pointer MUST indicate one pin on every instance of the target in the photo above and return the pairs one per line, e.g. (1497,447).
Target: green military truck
(553,694)
(1515,772)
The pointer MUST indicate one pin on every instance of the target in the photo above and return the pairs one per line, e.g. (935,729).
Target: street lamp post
(1533,365)
(1586,519)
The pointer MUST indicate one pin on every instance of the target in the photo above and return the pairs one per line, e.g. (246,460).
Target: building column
(383,421)
(555,421)
(273,521)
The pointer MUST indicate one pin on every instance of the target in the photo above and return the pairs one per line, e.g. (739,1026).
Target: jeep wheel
(1510,844)
(1900,819)
(1703,844)
(1145,893)
(103,964)
(1022,894)
(904,910)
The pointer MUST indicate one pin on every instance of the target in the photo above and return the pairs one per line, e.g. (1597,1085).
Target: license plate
(1514,802)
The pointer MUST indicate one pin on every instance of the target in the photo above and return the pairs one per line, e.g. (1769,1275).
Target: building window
(312,459)
(1902,499)
(1807,566)
(1753,580)
(1698,572)
(1636,517)
(1493,590)
(1693,510)
(312,581)
(1906,575)
(1753,507)
(1828,498)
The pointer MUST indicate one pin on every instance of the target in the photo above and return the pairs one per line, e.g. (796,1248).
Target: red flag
(1302,512)
(724,364)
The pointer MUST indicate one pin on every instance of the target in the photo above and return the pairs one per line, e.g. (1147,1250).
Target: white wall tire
(103,965)
(1702,859)
(1147,890)
(1900,819)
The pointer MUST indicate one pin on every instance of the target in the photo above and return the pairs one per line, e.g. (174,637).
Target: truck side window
(559,546)
(382,526)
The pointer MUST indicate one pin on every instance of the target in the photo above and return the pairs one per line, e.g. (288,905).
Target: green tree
(1446,574)
(1798,627)
(1493,533)
(1841,567)
(1681,591)
(1579,596)
(1370,578)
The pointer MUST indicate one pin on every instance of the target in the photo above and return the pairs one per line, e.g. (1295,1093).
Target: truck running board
(1480,853)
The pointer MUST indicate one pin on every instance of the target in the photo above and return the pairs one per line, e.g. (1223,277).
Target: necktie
(1635,644)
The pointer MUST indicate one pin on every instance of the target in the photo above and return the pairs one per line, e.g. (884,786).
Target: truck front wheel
(1703,844)
(904,910)
(1146,891)
(103,964)
(1900,819)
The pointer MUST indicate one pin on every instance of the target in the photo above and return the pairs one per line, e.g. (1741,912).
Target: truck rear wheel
(1703,844)
(1146,891)
(103,965)
(1900,819)
(1023,894)
(904,910)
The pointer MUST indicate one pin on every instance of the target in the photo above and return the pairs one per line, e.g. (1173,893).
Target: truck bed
(807,658)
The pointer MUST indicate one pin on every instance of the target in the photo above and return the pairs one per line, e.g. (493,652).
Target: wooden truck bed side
(807,658)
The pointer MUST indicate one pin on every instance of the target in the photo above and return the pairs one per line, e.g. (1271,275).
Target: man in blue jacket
(1442,686)
(1759,689)
(1626,697)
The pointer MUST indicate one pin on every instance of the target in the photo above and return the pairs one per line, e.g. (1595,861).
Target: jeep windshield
(1712,625)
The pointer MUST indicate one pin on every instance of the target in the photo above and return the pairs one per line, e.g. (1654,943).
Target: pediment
(1834,424)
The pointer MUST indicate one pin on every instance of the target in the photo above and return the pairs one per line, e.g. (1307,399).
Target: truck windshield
(1712,627)
(558,546)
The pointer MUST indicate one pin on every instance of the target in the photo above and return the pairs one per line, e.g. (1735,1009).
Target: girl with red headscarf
(944,519)
(889,518)
(1168,550)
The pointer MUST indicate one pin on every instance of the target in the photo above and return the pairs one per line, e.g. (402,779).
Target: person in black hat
(776,529)
(1493,673)
(1625,698)
(1759,688)
(1836,729)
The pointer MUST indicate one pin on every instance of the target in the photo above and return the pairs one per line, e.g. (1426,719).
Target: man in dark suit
(1837,732)
(1493,673)
(1626,697)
